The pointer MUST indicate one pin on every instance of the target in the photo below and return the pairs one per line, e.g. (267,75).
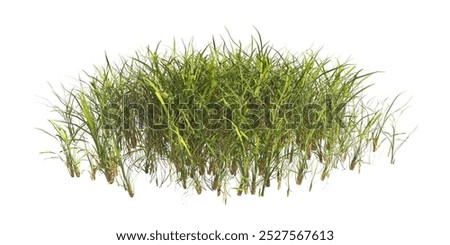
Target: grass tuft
(226,117)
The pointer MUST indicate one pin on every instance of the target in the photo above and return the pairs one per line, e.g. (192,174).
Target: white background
(54,41)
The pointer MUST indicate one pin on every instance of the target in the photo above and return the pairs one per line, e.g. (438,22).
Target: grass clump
(225,117)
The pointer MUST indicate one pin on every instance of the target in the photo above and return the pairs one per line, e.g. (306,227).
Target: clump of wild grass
(225,117)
